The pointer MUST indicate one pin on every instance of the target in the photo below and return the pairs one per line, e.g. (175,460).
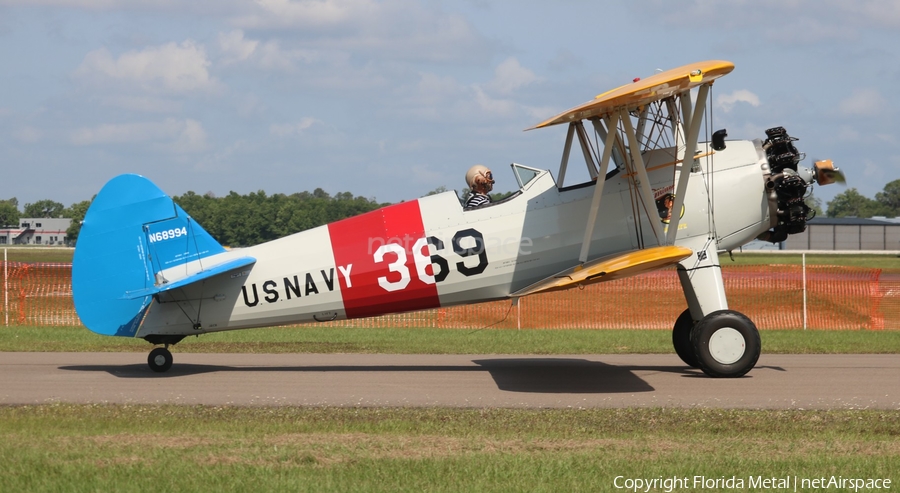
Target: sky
(392,99)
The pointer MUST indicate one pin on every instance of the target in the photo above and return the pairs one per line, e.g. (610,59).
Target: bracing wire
(508,310)
(632,188)
(193,236)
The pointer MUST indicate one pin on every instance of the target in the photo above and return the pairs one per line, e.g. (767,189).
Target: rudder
(131,233)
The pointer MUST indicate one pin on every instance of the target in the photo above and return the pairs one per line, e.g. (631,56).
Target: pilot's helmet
(480,176)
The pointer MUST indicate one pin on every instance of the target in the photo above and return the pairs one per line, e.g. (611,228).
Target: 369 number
(467,244)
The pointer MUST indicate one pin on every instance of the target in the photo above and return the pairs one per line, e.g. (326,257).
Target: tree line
(851,203)
(244,220)
(233,220)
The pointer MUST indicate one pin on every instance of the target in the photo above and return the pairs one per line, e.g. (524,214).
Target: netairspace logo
(785,483)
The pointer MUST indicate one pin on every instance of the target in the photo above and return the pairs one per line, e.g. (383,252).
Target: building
(36,231)
(847,233)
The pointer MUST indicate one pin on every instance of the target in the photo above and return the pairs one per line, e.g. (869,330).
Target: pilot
(481,181)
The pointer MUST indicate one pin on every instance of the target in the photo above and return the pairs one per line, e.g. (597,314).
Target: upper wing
(653,88)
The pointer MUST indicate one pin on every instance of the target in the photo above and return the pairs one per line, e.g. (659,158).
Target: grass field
(38,254)
(62,447)
(181,448)
(882,261)
(315,339)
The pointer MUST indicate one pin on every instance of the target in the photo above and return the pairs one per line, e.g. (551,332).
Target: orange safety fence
(837,297)
(37,294)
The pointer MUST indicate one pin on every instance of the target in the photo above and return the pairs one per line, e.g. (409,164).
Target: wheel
(681,339)
(726,344)
(160,360)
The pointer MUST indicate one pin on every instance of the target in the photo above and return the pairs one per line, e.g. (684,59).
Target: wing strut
(588,152)
(683,172)
(598,189)
(564,163)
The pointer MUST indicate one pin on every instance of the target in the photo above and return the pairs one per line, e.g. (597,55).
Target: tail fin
(131,235)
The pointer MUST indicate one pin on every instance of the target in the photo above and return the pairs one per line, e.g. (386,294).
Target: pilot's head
(480,179)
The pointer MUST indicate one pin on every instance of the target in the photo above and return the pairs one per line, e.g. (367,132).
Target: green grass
(877,261)
(312,339)
(191,448)
(38,254)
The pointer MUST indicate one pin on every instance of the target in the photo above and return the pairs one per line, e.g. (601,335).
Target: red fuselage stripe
(372,247)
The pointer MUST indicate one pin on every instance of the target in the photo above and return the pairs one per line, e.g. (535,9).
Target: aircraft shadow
(563,376)
(531,375)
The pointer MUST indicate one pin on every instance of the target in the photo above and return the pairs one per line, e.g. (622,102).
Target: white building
(36,231)
(847,233)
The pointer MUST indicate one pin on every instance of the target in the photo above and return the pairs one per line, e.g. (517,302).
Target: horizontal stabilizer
(609,268)
(198,276)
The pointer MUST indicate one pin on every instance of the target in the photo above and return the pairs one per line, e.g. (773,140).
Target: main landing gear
(724,343)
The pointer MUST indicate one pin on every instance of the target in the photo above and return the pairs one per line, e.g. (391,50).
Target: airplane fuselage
(430,252)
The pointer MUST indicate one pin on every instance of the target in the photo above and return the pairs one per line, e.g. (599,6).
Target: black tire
(160,360)
(681,339)
(726,344)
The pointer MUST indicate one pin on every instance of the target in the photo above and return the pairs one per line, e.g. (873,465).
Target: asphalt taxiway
(578,381)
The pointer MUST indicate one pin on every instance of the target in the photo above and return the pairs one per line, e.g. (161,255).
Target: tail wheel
(160,360)
(726,344)
(681,339)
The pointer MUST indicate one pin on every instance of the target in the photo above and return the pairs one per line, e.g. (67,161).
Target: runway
(478,381)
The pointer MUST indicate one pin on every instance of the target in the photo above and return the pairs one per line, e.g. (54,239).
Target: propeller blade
(827,173)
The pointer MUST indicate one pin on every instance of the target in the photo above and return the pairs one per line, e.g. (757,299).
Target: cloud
(28,135)
(392,30)
(863,102)
(144,104)
(203,8)
(873,171)
(494,106)
(880,12)
(313,14)
(175,68)
(82,4)
(564,60)
(235,48)
(794,21)
(847,133)
(171,135)
(727,101)
(509,76)
(293,129)
(273,57)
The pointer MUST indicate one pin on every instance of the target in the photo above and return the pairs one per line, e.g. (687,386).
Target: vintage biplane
(655,196)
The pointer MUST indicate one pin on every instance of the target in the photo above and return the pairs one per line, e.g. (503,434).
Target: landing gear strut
(723,343)
(160,359)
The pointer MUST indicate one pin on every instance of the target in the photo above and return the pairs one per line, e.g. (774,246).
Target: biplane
(655,196)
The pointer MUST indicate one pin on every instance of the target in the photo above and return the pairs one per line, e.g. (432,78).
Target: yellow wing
(653,88)
(610,268)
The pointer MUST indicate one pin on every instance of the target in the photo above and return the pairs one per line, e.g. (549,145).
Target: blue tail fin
(131,233)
